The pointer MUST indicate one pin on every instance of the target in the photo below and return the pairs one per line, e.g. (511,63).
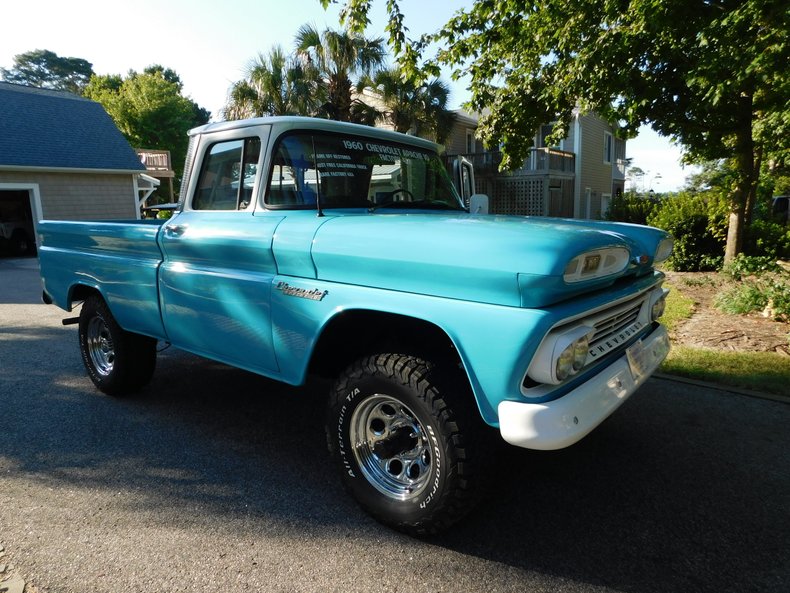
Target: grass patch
(698,281)
(679,307)
(768,372)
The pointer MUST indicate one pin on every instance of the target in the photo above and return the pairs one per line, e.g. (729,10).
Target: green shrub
(630,208)
(769,239)
(696,249)
(771,294)
(779,300)
(698,222)
(747,265)
(742,298)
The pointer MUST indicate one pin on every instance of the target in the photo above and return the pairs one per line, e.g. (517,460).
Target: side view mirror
(478,204)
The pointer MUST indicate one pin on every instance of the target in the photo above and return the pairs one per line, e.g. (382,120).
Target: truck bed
(120,258)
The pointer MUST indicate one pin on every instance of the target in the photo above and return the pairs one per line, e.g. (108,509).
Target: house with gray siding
(575,178)
(62,157)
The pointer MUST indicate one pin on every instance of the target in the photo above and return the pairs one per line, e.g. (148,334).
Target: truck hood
(505,260)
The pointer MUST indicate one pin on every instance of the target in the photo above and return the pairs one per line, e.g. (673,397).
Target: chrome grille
(613,327)
(614,324)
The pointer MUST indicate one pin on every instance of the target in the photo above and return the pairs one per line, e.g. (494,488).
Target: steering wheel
(409,196)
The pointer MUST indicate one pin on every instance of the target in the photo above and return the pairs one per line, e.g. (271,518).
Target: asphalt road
(217,480)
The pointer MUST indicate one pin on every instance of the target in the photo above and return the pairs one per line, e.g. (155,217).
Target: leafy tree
(419,108)
(150,110)
(635,176)
(45,69)
(201,114)
(276,84)
(712,74)
(340,56)
(168,74)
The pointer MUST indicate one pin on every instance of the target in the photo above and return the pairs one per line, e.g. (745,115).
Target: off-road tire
(396,422)
(117,361)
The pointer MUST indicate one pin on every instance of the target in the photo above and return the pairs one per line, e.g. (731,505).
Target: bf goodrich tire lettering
(399,429)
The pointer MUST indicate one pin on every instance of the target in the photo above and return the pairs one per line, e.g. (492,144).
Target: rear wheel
(118,362)
(400,429)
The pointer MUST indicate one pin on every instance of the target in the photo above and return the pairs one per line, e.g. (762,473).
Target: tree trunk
(340,97)
(752,199)
(744,156)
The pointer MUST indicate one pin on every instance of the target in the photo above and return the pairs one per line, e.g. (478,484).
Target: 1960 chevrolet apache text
(309,246)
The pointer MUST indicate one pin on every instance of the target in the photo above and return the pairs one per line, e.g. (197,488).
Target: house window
(608,148)
(619,150)
(470,141)
(544,131)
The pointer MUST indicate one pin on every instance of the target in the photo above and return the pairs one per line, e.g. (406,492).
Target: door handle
(175,230)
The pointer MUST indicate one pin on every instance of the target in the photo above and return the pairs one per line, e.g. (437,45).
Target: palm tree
(275,84)
(419,109)
(339,56)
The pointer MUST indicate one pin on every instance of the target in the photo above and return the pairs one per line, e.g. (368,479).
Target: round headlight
(657,310)
(565,364)
(572,359)
(658,302)
(561,354)
(580,348)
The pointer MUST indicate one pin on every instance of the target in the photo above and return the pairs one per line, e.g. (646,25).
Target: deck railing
(541,161)
(156,161)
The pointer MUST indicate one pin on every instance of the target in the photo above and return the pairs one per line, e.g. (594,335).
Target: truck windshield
(357,172)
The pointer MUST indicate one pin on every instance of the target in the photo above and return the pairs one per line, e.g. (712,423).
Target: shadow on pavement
(674,493)
(19,280)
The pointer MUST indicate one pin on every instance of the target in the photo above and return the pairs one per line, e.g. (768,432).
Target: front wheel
(400,429)
(117,361)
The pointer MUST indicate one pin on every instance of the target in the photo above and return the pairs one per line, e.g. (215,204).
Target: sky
(210,43)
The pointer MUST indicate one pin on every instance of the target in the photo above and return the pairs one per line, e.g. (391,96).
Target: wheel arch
(355,333)
(78,292)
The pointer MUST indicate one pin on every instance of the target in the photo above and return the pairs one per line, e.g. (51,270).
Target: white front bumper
(564,421)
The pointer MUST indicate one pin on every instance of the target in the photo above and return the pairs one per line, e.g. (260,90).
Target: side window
(293,181)
(228,175)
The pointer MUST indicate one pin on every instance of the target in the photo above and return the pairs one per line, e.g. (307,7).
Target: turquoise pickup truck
(305,246)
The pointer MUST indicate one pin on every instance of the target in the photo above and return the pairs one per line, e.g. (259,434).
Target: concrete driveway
(217,480)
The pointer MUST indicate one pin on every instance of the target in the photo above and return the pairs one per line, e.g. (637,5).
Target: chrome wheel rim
(100,346)
(391,447)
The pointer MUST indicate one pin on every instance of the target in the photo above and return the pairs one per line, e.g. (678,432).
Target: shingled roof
(58,130)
